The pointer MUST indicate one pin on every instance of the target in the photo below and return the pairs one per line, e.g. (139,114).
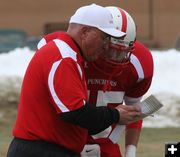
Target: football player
(122,75)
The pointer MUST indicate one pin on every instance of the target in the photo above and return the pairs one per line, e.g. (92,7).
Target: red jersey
(54,83)
(110,85)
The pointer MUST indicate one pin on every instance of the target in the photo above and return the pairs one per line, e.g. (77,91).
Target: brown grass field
(151,144)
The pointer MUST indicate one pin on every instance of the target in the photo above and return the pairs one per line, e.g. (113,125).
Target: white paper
(150,105)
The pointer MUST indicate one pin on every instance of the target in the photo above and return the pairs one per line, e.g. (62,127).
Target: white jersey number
(103,98)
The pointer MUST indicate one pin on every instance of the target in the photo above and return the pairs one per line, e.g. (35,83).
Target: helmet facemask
(119,51)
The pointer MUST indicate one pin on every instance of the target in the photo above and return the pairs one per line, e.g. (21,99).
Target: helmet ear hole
(131,43)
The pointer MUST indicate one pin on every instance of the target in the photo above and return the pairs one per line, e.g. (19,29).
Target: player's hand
(129,114)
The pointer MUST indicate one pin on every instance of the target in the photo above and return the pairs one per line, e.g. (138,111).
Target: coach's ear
(84,31)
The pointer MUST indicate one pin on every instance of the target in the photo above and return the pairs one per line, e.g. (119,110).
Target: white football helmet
(121,48)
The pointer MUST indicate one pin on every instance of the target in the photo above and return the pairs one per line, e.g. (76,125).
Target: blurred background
(24,22)
(157,20)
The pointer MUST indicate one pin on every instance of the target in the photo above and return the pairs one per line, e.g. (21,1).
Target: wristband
(130,151)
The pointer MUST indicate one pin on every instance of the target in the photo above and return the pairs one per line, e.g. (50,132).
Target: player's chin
(91,58)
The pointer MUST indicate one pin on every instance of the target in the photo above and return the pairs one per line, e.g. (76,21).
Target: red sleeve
(135,125)
(139,89)
(145,59)
(70,91)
